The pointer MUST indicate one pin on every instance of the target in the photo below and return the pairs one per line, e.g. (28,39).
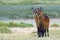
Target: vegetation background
(16,9)
(28,2)
(12,11)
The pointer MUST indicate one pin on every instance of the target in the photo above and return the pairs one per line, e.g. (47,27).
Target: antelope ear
(40,7)
(32,8)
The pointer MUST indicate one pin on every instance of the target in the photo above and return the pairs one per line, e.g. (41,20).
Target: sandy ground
(29,30)
(21,34)
(31,33)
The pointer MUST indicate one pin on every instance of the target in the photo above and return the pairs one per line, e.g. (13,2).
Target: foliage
(55,25)
(3,24)
(4,29)
(22,24)
(12,24)
(25,11)
(28,2)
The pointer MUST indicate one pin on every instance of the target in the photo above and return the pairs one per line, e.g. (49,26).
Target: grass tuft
(12,24)
(55,25)
(4,29)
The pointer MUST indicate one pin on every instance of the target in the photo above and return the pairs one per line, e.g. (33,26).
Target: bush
(22,24)
(55,25)
(4,30)
(11,24)
(3,24)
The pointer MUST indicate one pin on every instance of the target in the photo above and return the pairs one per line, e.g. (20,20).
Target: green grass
(12,24)
(22,24)
(55,25)
(3,24)
(4,29)
(28,2)
(25,11)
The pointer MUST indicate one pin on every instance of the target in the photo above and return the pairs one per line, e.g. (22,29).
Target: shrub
(55,25)
(11,24)
(3,24)
(22,24)
(4,30)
